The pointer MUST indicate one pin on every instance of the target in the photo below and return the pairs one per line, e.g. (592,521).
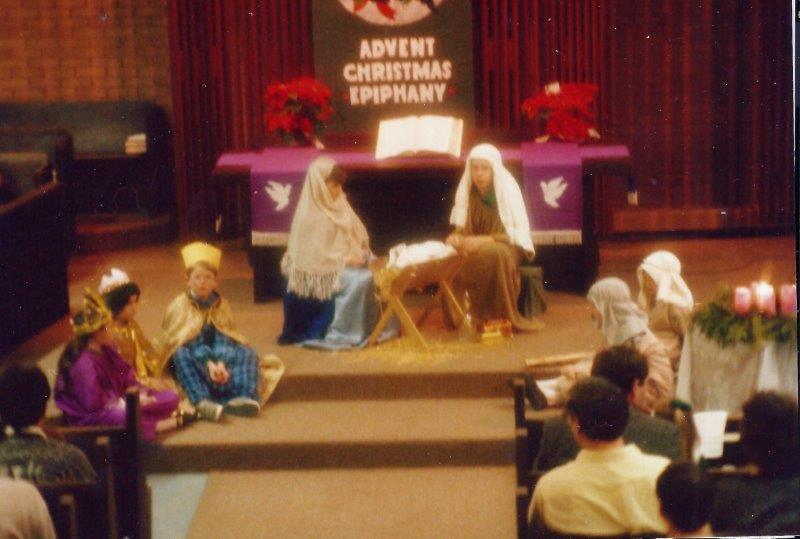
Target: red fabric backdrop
(700,91)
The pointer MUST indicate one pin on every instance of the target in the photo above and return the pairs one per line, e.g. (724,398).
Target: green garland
(718,322)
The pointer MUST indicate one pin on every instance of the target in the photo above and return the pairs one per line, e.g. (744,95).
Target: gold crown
(93,316)
(201,252)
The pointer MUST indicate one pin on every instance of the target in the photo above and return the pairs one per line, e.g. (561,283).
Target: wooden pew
(79,509)
(115,454)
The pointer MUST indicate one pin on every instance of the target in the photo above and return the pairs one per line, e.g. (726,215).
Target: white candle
(765,298)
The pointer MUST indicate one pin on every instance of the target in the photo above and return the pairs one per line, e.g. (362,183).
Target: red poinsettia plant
(566,110)
(297,110)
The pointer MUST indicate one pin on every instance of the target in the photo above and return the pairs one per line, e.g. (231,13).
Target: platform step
(377,386)
(346,434)
(386,503)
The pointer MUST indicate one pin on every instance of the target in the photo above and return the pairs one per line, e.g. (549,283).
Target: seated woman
(624,324)
(92,379)
(492,230)
(666,299)
(330,299)
(26,452)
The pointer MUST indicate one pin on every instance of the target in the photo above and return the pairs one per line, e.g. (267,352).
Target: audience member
(686,495)
(25,450)
(626,368)
(609,489)
(23,513)
(767,503)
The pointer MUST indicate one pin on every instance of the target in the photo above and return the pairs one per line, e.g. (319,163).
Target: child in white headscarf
(666,298)
(622,323)
(492,230)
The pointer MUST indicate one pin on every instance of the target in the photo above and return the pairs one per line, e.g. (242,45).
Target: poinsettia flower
(297,108)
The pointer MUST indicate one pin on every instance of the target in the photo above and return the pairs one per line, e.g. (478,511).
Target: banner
(390,58)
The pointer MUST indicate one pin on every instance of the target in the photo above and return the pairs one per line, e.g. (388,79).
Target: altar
(408,199)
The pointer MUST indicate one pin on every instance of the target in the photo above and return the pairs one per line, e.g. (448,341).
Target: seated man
(626,368)
(610,488)
(686,495)
(767,503)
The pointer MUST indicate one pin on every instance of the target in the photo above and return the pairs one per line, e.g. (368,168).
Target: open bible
(412,134)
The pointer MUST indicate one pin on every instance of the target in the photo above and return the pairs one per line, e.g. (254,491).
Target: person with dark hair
(93,378)
(609,489)
(686,495)
(767,502)
(626,368)
(121,296)
(25,450)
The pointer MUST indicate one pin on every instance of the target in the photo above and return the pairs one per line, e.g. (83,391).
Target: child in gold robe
(216,368)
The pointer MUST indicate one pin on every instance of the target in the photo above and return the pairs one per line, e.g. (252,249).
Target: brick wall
(84,50)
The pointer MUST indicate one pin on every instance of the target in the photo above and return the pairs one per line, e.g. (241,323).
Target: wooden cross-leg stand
(418,276)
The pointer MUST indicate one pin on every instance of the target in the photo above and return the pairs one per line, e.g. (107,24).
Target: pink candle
(789,300)
(742,300)
(765,298)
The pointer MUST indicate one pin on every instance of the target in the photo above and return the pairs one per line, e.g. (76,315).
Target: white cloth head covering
(324,233)
(665,270)
(622,318)
(510,203)
(113,280)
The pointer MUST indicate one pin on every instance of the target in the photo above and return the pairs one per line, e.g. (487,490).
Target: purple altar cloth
(553,180)
(555,211)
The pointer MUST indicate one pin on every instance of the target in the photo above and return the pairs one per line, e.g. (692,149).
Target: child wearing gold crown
(216,368)
(92,378)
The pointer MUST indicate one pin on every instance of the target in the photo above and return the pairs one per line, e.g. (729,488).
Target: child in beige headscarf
(330,300)
(666,299)
(623,323)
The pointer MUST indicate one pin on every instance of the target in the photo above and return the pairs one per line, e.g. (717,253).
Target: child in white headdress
(492,230)
(666,299)
(121,295)
(622,323)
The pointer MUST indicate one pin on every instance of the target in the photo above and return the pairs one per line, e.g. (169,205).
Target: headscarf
(324,233)
(622,318)
(665,270)
(510,204)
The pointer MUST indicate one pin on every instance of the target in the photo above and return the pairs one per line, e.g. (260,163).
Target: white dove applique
(553,190)
(279,194)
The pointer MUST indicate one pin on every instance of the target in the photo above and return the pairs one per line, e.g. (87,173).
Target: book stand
(392,284)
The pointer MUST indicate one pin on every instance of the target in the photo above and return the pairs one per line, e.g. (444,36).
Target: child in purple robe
(93,378)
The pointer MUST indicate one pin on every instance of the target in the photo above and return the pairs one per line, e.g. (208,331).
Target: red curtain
(700,91)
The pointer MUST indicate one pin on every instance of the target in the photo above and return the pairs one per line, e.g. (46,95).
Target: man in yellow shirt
(609,489)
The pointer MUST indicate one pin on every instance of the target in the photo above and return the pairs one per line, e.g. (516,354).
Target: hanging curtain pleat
(700,91)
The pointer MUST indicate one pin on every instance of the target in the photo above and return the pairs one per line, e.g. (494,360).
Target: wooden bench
(121,500)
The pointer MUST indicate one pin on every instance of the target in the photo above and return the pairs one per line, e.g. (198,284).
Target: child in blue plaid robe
(216,368)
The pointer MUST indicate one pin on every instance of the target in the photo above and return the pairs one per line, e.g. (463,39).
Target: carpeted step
(346,434)
(381,502)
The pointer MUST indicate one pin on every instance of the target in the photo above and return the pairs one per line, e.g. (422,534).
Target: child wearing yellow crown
(92,378)
(216,368)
